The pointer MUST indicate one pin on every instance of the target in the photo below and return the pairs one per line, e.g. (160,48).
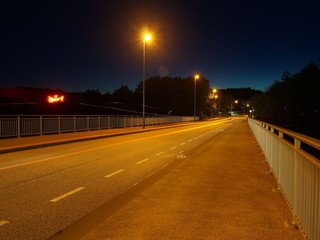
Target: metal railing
(18,126)
(294,160)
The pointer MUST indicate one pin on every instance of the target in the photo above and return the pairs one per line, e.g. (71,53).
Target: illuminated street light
(236,102)
(214,93)
(146,38)
(245,106)
(196,77)
(214,103)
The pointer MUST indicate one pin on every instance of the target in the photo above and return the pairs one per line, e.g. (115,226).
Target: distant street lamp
(244,109)
(236,102)
(195,96)
(214,97)
(146,38)
(214,93)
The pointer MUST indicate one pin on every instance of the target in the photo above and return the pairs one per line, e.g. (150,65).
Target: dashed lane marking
(173,148)
(114,173)
(67,194)
(160,153)
(142,161)
(182,143)
(3,222)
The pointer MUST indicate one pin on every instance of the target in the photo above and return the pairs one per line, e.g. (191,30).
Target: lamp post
(236,101)
(246,105)
(146,38)
(195,96)
(214,97)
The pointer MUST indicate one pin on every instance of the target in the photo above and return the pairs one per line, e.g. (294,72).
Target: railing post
(293,223)
(41,125)
(18,125)
(59,124)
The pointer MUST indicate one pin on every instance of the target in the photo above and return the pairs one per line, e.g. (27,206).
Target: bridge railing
(18,126)
(294,160)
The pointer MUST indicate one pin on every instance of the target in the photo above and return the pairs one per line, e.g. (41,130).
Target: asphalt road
(44,190)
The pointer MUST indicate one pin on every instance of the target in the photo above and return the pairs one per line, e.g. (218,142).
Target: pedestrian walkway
(223,191)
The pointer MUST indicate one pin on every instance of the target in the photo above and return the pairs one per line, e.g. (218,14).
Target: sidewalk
(220,192)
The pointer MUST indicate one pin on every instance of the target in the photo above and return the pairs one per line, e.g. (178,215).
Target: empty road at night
(44,190)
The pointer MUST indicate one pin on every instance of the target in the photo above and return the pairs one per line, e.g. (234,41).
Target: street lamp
(214,93)
(236,102)
(195,96)
(245,105)
(146,38)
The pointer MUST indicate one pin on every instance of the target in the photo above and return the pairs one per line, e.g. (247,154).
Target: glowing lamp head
(147,37)
(196,76)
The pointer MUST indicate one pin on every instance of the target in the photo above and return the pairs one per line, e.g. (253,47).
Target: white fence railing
(17,126)
(294,160)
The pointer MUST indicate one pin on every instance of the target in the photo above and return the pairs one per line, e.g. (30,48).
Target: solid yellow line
(114,144)
(67,194)
(3,222)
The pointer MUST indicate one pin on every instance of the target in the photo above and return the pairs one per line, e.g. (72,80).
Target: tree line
(164,95)
(293,102)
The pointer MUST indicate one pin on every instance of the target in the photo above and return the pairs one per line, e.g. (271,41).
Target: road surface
(44,190)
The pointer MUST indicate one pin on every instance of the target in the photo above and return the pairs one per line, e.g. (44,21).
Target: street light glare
(147,37)
(197,76)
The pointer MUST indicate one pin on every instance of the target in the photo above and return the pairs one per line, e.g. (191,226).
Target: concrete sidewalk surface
(221,191)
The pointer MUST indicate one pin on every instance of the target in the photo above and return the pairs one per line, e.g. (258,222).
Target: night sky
(96,44)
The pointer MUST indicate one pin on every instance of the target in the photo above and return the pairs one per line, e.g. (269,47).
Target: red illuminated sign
(55,98)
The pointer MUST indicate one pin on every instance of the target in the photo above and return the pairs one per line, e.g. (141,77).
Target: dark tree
(293,102)
(174,95)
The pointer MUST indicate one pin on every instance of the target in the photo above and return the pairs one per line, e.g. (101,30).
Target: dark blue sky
(79,45)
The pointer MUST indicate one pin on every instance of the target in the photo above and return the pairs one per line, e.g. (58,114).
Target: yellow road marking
(114,144)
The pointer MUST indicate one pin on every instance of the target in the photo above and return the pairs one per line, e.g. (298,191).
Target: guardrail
(18,126)
(294,160)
